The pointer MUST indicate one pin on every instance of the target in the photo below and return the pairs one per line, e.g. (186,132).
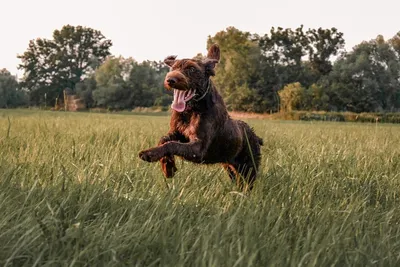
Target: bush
(339,116)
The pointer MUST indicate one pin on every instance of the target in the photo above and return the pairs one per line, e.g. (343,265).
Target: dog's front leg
(193,151)
(168,166)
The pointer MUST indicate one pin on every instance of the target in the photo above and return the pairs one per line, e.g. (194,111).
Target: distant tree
(84,90)
(146,81)
(292,97)
(284,50)
(50,66)
(366,79)
(316,98)
(125,84)
(322,45)
(395,44)
(162,97)
(112,91)
(238,71)
(254,68)
(10,95)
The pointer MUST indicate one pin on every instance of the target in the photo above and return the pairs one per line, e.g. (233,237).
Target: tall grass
(74,193)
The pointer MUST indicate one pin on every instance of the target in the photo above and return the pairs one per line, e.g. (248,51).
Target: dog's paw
(168,166)
(149,155)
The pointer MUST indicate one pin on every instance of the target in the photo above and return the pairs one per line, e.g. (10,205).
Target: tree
(284,51)
(395,44)
(84,90)
(238,71)
(292,97)
(125,83)
(161,96)
(50,66)
(112,91)
(147,79)
(10,95)
(316,98)
(367,79)
(322,45)
(282,61)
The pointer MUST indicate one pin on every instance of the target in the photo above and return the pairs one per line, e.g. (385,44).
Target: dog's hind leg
(236,175)
(231,171)
(243,175)
(248,175)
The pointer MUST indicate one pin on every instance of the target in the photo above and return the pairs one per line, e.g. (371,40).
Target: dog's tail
(250,131)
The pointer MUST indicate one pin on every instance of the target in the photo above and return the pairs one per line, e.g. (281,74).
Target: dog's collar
(205,93)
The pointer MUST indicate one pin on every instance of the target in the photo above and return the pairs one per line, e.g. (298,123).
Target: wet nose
(171,81)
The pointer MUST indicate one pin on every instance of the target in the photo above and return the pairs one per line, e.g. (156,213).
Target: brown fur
(204,132)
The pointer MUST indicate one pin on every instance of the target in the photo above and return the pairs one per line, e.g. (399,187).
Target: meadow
(73,192)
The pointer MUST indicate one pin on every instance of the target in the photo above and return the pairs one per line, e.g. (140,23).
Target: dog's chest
(187,125)
(187,129)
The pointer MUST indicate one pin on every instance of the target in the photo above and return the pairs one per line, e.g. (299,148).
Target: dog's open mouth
(180,99)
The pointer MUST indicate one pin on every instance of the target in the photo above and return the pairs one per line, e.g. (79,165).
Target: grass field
(74,193)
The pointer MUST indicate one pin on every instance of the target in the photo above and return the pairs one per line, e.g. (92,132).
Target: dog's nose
(171,81)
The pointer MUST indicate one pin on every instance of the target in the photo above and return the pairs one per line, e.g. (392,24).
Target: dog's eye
(192,69)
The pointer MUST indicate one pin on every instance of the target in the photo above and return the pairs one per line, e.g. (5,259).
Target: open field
(74,193)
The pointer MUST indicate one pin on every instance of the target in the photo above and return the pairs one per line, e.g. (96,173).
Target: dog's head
(190,77)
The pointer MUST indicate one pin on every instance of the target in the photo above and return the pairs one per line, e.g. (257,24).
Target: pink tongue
(179,103)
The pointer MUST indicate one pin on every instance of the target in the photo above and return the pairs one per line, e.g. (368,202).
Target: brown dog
(201,129)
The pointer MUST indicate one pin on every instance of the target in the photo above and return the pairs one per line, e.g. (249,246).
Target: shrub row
(339,116)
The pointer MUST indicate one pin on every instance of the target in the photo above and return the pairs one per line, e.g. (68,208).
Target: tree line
(283,70)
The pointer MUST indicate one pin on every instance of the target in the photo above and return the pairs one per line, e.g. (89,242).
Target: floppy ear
(214,52)
(170,60)
(209,65)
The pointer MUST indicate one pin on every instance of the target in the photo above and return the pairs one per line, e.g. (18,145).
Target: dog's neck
(198,105)
(205,92)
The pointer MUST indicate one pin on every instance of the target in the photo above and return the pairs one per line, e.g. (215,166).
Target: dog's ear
(170,60)
(212,59)
(214,52)
(209,65)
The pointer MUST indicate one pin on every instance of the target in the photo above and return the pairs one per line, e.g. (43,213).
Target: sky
(154,29)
